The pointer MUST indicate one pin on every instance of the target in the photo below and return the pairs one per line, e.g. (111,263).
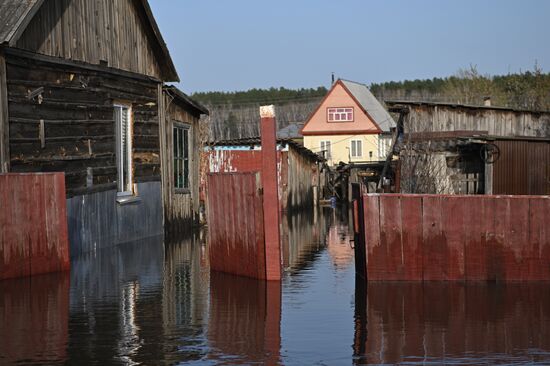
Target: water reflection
(452,323)
(245,320)
(34,316)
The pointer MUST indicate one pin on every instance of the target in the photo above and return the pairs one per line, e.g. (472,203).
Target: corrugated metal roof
(369,102)
(12,14)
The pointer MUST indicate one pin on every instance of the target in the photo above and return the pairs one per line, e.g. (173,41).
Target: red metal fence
(33,224)
(434,237)
(235,224)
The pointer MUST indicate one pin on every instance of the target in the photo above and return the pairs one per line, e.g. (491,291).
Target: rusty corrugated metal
(33,224)
(457,238)
(523,168)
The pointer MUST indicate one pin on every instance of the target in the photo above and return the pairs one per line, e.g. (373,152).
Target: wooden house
(349,126)
(465,149)
(81,91)
(180,161)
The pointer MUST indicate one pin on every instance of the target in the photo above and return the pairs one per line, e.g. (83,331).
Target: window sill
(127,199)
(183,191)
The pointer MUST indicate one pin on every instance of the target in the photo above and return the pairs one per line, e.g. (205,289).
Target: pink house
(349,126)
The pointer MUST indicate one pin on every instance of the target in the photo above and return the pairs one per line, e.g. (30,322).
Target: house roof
(370,104)
(396,103)
(253,141)
(186,100)
(291,131)
(15,16)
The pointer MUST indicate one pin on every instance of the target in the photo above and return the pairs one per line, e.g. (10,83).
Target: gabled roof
(15,16)
(183,98)
(370,104)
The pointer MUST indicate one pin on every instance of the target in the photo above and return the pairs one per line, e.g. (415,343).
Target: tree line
(235,114)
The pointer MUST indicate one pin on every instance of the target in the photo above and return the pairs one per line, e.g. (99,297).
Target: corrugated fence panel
(457,238)
(33,224)
(523,168)
(235,224)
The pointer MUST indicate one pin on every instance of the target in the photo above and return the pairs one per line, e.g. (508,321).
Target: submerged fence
(441,237)
(33,224)
(235,224)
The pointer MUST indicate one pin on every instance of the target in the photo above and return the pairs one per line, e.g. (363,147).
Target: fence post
(270,190)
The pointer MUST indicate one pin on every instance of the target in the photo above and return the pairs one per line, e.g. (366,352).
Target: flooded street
(148,303)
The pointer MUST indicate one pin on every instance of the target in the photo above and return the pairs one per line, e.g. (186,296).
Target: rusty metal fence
(33,224)
(456,238)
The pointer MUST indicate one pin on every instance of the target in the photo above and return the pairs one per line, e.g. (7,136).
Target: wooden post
(4,120)
(270,198)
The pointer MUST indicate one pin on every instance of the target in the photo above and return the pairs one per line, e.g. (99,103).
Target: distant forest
(235,114)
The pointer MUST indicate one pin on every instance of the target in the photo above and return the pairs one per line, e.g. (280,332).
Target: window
(340,114)
(181,157)
(356,148)
(325,149)
(123,121)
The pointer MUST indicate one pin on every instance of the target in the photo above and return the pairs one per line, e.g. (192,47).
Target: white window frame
(340,114)
(326,148)
(125,182)
(180,156)
(356,148)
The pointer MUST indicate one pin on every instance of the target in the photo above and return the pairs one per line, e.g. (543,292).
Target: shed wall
(181,209)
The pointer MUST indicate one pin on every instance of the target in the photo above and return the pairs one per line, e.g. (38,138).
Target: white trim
(336,114)
(127,186)
(358,146)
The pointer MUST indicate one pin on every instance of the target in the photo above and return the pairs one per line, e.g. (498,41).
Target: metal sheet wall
(448,238)
(235,224)
(33,224)
(523,168)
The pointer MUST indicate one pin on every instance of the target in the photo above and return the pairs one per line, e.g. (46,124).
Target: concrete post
(270,198)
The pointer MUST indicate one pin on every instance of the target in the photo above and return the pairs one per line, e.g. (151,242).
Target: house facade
(349,126)
(81,92)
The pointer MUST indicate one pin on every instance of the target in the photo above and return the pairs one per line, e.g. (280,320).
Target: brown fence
(440,237)
(235,224)
(33,224)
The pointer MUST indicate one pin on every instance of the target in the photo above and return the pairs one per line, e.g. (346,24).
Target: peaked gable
(122,33)
(340,96)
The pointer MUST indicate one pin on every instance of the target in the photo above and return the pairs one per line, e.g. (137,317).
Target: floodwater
(152,303)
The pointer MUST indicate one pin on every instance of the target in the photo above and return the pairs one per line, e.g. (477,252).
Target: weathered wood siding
(75,109)
(181,209)
(303,175)
(92,31)
(494,121)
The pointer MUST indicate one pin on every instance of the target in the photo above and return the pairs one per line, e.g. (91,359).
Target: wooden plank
(376,252)
(390,235)
(453,211)
(4,117)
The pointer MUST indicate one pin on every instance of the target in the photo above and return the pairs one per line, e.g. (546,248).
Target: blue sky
(227,45)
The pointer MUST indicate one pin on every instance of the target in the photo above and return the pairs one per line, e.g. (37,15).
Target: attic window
(340,114)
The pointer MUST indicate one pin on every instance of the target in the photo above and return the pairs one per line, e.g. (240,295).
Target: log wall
(69,124)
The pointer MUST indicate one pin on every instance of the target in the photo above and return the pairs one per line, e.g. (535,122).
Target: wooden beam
(4,118)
